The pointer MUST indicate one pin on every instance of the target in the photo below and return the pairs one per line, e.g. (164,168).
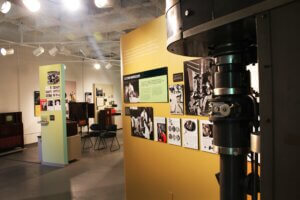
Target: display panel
(149,86)
(198,82)
(174,131)
(206,136)
(160,129)
(190,133)
(142,122)
(176,99)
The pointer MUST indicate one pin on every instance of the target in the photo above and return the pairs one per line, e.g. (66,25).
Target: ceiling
(90,32)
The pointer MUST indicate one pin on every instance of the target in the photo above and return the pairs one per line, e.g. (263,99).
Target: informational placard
(206,136)
(142,122)
(190,134)
(37,104)
(174,131)
(160,129)
(149,86)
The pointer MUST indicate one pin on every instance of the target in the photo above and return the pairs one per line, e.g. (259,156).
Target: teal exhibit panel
(53,115)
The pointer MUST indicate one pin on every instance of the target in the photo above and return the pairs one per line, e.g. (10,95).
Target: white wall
(19,78)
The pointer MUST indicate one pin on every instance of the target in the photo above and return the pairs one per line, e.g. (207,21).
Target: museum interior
(149,99)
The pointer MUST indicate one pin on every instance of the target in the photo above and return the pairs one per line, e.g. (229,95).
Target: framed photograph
(206,136)
(198,81)
(190,138)
(160,129)
(142,122)
(176,99)
(53,77)
(174,131)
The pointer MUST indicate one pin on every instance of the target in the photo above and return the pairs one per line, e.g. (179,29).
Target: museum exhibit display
(148,86)
(190,135)
(142,122)
(176,99)
(235,34)
(174,131)
(11,131)
(160,129)
(206,136)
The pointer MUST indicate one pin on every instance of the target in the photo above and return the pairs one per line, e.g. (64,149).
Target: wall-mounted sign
(178,77)
(149,86)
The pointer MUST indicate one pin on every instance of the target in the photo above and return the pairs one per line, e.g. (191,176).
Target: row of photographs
(193,94)
(180,132)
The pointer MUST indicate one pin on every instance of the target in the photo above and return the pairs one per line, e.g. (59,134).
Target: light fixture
(65,67)
(102,3)
(32,5)
(6,52)
(72,5)
(65,51)
(39,51)
(5,6)
(97,66)
(53,51)
(108,66)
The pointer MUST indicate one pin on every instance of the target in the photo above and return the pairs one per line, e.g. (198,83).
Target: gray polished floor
(98,175)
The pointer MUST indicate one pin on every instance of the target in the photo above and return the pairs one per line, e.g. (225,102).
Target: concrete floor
(98,175)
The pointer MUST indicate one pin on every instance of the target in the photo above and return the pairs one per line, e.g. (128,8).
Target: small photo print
(57,104)
(176,99)
(53,77)
(142,122)
(206,136)
(50,105)
(174,131)
(190,134)
(160,129)
(44,106)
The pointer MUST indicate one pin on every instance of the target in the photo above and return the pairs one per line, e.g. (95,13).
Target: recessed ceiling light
(32,5)
(72,5)
(5,6)
(39,51)
(97,66)
(6,52)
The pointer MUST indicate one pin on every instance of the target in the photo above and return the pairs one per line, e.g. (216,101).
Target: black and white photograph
(190,134)
(142,122)
(50,105)
(53,77)
(198,82)
(131,91)
(176,99)
(206,136)
(160,129)
(57,104)
(174,131)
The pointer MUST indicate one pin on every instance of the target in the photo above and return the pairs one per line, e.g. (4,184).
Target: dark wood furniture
(11,131)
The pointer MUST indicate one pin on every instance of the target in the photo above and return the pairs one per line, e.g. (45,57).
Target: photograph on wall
(142,122)
(71,91)
(44,103)
(206,136)
(160,129)
(57,104)
(53,77)
(174,131)
(198,81)
(37,104)
(190,138)
(148,86)
(176,99)
(50,105)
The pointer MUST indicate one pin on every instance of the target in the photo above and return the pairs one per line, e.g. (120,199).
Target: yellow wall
(155,171)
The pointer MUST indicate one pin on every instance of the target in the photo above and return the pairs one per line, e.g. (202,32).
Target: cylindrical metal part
(232,175)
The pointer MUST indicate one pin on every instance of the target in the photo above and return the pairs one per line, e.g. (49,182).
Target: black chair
(97,131)
(84,138)
(111,132)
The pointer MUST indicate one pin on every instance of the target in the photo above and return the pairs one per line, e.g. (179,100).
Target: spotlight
(5,6)
(39,51)
(72,5)
(108,66)
(32,5)
(65,51)
(97,66)
(102,3)
(53,51)
(6,52)
(65,67)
